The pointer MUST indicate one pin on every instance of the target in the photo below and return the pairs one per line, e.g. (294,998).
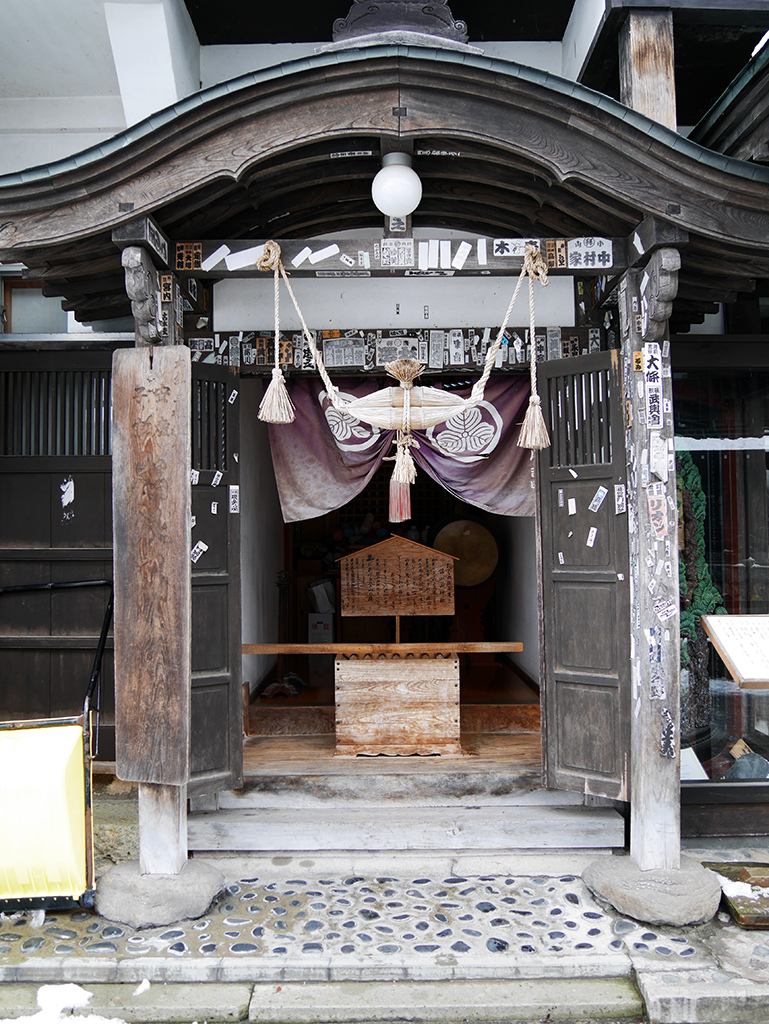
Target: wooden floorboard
(314,755)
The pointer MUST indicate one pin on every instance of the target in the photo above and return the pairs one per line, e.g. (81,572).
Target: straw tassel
(534,433)
(404,475)
(277,406)
(405,471)
(534,430)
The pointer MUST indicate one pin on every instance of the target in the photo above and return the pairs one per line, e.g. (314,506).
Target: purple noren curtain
(324,459)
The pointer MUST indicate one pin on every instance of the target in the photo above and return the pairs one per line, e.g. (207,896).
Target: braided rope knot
(270,258)
(534,265)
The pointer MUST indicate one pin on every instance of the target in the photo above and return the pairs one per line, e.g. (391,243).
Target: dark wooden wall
(55,526)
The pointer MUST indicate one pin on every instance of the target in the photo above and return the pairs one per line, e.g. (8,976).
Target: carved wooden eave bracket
(141,282)
(290,152)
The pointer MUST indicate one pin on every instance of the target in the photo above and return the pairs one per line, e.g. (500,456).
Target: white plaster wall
(155,52)
(40,129)
(543,56)
(586,18)
(248,303)
(221,63)
(261,533)
(517,614)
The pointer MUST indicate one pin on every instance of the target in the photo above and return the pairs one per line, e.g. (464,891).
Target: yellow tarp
(42,810)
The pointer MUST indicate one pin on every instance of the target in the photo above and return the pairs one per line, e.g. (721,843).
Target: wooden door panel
(210,650)
(209,747)
(216,730)
(586,628)
(585,599)
(583,737)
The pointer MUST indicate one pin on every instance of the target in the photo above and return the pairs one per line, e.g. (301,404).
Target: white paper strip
(216,257)
(246,258)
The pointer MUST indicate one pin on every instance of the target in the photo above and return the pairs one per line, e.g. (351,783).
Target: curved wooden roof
(291,151)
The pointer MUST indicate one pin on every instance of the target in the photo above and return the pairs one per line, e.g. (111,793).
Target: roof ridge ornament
(400,21)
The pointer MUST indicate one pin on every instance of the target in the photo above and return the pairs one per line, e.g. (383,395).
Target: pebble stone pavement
(407,926)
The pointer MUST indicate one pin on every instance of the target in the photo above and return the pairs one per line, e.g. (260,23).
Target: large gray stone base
(688,896)
(142,901)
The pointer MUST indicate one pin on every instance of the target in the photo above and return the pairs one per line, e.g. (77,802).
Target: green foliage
(699,595)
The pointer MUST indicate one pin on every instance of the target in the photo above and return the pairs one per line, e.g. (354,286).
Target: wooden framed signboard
(743,643)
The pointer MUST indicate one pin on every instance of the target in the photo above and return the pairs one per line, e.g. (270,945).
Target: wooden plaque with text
(397,577)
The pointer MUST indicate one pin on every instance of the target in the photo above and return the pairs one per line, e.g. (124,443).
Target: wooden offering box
(389,704)
(393,703)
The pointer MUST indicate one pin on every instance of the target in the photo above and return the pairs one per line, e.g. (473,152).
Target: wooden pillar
(647,65)
(162,829)
(645,305)
(151,515)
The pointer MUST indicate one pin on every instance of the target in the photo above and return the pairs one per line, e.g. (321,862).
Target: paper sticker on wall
(214,508)
(668,735)
(620,499)
(665,610)
(591,536)
(658,509)
(653,382)
(194,476)
(572,506)
(200,548)
(598,499)
(232,398)
(234,499)
(67,488)
(217,479)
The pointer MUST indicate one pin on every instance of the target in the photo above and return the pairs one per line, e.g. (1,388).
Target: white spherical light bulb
(396,190)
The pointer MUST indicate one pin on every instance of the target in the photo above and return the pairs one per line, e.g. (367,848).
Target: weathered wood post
(647,65)
(151,510)
(655,883)
(645,301)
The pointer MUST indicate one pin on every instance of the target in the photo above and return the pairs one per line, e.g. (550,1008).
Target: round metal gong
(474,547)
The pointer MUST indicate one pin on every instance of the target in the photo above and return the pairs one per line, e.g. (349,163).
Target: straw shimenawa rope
(381,409)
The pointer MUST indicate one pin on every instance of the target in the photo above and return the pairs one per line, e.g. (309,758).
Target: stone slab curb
(688,896)
(334,1003)
(57,970)
(143,901)
(702,997)
(171,1004)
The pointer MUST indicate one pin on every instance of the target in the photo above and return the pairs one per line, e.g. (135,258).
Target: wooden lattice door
(585,578)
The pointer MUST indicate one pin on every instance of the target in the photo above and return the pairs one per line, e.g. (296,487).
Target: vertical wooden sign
(654,609)
(151,515)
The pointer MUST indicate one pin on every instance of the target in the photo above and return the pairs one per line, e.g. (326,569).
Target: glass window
(722,432)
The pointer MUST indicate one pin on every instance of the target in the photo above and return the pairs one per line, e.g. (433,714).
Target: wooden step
(406,828)
(297,771)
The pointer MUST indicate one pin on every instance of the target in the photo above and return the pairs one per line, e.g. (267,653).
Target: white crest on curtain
(470,435)
(349,434)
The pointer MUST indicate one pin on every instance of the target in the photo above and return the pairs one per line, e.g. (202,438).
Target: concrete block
(170,1003)
(482,1001)
(702,997)
(18,1000)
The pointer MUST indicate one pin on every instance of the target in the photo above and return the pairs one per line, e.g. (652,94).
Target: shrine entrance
(495,595)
